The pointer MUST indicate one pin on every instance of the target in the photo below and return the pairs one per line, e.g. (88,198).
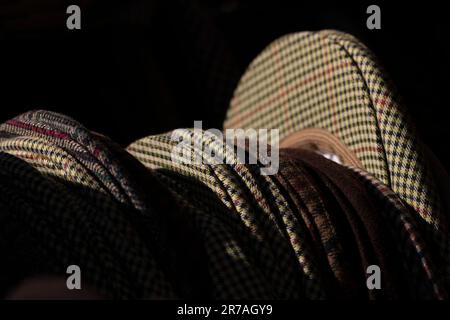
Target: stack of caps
(354,192)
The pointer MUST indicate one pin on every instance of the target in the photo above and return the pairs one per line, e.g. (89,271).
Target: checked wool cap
(329,80)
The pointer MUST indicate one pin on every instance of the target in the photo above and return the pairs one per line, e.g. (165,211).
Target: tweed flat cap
(329,80)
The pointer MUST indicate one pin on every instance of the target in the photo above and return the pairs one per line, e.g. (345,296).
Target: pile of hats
(141,225)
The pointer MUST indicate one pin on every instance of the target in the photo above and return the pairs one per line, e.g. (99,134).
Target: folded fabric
(363,216)
(301,220)
(149,223)
(66,200)
(199,230)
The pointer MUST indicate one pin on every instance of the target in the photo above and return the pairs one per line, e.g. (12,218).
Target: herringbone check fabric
(330,80)
(74,204)
(163,225)
(229,193)
(271,233)
(180,229)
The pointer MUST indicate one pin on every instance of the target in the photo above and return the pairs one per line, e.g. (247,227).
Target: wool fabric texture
(145,223)
(331,81)
(207,230)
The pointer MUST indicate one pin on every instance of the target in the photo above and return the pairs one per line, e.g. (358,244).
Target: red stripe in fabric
(376,149)
(240,118)
(47,132)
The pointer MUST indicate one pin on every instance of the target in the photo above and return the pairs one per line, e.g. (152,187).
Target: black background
(141,67)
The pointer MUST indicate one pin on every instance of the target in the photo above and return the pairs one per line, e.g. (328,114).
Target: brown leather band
(322,142)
